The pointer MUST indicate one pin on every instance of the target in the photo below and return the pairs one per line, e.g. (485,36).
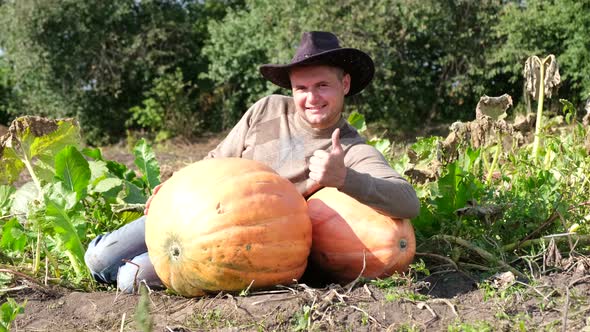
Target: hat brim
(356,63)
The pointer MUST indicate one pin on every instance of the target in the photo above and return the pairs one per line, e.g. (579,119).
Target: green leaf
(107,184)
(95,153)
(426,149)
(131,194)
(8,312)
(145,159)
(569,110)
(23,197)
(62,217)
(10,166)
(6,198)
(98,171)
(32,143)
(46,146)
(357,120)
(72,170)
(13,236)
(381,144)
(117,169)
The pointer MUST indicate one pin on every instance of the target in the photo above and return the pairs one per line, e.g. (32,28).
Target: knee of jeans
(92,256)
(131,274)
(101,269)
(126,278)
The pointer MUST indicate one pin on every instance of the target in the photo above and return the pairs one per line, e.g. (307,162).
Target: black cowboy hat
(323,48)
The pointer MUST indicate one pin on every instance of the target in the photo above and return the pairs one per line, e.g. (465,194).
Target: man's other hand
(149,201)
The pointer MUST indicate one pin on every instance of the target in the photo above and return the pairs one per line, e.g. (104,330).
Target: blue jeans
(107,254)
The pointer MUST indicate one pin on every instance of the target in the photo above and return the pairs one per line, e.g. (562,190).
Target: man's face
(318,92)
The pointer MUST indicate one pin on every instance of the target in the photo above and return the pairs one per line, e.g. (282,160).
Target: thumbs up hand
(327,168)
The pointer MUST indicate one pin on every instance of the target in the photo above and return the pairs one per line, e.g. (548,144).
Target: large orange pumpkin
(222,224)
(346,232)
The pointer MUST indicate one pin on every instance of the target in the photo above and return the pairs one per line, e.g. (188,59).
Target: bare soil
(453,303)
(446,300)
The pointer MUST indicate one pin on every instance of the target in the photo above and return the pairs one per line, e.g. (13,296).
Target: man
(304,138)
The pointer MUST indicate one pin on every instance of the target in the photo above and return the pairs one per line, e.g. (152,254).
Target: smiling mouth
(316,109)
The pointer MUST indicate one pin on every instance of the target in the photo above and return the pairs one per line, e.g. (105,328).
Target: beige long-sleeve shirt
(274,133)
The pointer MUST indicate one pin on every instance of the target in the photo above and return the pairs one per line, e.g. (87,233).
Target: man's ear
(346,83)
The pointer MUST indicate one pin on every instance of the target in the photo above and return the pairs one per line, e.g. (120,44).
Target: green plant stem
(26,160)
(545,240)
(481,252)
(538,123)
(37,260)
(75,263)
(52,261)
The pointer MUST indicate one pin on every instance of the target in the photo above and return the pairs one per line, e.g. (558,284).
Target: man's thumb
(336,146)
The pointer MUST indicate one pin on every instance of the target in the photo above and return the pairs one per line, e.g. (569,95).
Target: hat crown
(315,42)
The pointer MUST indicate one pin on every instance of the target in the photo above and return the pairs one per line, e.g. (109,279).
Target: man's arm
(371,180)
(234,143)
(363,173)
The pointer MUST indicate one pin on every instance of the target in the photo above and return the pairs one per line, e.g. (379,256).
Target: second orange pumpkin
(346,232)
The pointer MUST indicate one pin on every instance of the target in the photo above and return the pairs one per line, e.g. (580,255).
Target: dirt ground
(446,300)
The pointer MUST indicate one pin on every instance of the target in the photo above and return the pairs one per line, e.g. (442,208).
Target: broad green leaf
(131,194)
(72,170)
(117,169)
(95,153)
(10,166)
(425,149)
(23,197)
(61,216)
(34,141)
(6,198)
(129,216)
(145,159)
(448,201)
(98,171)
(381,144)
(107,184)
(13,236)
(357,120)
(8,312)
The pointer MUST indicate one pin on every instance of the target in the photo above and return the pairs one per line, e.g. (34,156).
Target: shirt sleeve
(234,144)
(372,181)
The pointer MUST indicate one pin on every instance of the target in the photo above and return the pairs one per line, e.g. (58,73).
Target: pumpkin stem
(403,244)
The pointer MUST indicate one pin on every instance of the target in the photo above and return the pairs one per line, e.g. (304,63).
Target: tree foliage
(167,65)
(425,51)
(95,59)
(540,28)
(8,98)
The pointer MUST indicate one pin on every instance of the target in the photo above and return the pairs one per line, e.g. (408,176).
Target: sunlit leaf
(107,184)
(95,153)
(13,236)
(357,120)
(145,159)
(6,197)
(72,169)
(381,144)
(61,217)
(10,166)
(98,171)
(35,141)
(23,197)
(131,194)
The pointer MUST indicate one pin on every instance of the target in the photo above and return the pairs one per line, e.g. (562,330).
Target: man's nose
(312,95)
